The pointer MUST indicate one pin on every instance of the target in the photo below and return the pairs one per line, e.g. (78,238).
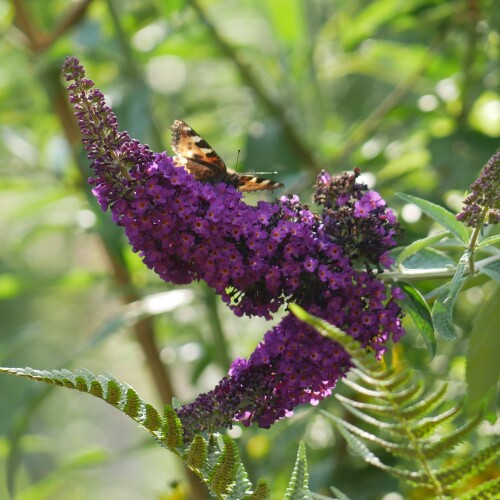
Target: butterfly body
(197,156)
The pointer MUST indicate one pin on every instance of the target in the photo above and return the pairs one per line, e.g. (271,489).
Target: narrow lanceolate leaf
(172,429)
(338,494)
(442,311)
(492,270)
(298,487)
(483,368)
(196,455)
(416,306)
(224,472)
(418,245)
(491,240)
(440,215)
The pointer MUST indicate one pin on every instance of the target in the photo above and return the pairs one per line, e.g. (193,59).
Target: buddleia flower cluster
(482,205)
(257,258)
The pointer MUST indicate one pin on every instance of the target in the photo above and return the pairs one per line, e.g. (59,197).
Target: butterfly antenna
(252,173)
(274,172)
(237,159)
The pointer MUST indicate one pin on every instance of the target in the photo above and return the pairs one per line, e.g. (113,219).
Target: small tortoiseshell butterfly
(195,155)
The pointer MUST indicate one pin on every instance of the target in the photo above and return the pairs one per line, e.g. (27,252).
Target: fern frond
(112,390)
(242,485)
(385,410)
(223,473)
(445,443)
(428,425)
(172,436)
(391,427)
(391,383)
(388,403)
(405,395)
(298,487)
(218,466)
(485,491)
(152,419)
(262,492)
(459,472)
(426,405)
(196,455)
(402,450)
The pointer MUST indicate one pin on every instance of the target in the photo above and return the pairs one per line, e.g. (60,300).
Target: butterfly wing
(195,154)
(244,182)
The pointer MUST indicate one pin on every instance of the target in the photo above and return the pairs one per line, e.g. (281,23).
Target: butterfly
(197,156)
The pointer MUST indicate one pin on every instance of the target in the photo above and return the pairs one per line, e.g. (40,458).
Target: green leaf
(152,420)
(483,368)
(442,310)
(224,471)
(485,490)
(428,258)
(338,494)
(262,492)
(469,466)
(492,270)
(491,240)
(357,446)
(416,306)
(172,429)
(440,215)
(298,487)
(196,457)
(419,245)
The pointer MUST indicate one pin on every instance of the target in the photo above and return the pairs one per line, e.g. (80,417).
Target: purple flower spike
(256,257)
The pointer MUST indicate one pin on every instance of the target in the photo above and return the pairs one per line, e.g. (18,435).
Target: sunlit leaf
(483,368)
(440,215)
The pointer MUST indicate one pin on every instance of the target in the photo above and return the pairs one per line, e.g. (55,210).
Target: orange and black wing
(195,154)
(245,182)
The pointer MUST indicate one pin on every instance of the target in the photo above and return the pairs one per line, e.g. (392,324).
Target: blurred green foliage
(409,91)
